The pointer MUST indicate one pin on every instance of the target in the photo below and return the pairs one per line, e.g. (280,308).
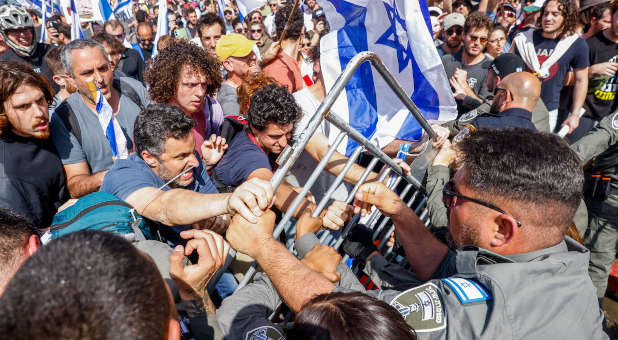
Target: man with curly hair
(284,66)
(186,76)
(550,52)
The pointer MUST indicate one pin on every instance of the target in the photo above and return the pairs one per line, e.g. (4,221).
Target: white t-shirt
(305,164)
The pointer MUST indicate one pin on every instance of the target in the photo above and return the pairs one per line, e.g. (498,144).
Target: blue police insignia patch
(467,290)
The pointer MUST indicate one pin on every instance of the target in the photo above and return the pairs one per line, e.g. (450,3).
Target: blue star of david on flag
(399,32)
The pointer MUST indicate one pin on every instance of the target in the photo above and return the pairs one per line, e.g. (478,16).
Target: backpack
(70,120)
(100,211)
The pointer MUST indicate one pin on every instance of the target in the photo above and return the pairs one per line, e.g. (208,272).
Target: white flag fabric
(246,6)
(398,31)
(162,25)
(76,28)
(111,128)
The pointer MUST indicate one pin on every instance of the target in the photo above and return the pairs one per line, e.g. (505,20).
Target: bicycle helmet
(13,17)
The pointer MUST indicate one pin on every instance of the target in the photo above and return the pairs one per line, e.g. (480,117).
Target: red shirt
(286,71)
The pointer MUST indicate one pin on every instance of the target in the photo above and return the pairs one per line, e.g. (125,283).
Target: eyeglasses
(483,40)
(499,89)
(240,30)
(448,197)
(450,31)
(256,31)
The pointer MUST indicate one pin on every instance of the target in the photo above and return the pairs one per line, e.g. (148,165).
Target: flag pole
(289,22)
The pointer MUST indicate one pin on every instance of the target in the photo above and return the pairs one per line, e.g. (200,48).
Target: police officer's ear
(507,230)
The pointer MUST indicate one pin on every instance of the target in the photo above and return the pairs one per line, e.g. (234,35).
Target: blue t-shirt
(240,160)
(575,57)
(131,174)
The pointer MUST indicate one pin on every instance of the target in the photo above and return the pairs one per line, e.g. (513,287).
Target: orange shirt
(286,71)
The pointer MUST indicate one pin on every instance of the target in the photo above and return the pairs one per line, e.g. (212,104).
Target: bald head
(145,35)
(525,89)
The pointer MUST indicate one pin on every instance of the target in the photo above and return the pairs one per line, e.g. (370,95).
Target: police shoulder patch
(422,307)
(264,333)
(615,121)
(467,290)
(468,116)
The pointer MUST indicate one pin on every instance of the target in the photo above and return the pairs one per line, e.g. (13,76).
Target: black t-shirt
(32,181)
(37,61)
(132,65)
(575,57)
(601,88)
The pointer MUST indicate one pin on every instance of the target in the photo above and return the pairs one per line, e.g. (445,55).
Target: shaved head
(524,88)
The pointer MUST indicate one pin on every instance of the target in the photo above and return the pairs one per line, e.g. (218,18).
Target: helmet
(13,17)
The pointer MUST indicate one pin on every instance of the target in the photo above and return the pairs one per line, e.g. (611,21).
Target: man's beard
(467,236)
(166,175)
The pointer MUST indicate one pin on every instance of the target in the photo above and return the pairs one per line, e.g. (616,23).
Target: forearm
(284,197)
(423,251)
(184,207)
(318,146)
(81,185)
(579,94)
(295,282)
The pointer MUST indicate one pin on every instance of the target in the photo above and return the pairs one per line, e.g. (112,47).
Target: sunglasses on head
(457,30)
(449,195)
(483,40)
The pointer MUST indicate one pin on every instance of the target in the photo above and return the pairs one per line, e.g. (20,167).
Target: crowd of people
(136,168)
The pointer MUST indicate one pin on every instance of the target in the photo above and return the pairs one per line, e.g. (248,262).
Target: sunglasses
(483,40)
(507,14)
(306,45)
(256,31)
(241,30)
(450,31)
(146,40)
(449,195)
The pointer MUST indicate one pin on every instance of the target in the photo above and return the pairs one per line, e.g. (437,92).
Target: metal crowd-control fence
(291,153)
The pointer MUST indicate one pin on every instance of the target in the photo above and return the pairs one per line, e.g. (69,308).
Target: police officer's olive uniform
(545,294)
(602,235)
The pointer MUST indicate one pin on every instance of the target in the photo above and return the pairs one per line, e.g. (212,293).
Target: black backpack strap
(66,114)
(128,91)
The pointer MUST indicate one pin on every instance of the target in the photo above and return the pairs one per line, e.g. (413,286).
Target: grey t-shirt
(477,74)
(228,99)
(94,149)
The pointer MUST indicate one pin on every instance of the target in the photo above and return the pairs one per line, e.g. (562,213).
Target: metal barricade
(291,153)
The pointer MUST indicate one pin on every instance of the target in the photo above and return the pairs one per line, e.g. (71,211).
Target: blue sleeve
(205,183)
(491,16)
(123,181)
(239,162)
(582,56)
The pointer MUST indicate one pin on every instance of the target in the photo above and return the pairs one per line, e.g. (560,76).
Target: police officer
(601,197)
(513,275)
(500,68)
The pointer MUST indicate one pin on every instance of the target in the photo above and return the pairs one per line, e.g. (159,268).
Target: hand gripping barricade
(291,153)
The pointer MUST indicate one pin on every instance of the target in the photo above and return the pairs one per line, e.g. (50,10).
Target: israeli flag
(123,6)
(399,32)
(106,10)
(110,126)
(246,6)
(44,32)
(76,27)
(162,25)
(221,7)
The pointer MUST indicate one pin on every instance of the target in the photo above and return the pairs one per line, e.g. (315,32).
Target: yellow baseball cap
(233,45)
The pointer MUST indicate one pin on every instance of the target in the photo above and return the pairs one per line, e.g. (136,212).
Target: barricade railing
(291,153)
